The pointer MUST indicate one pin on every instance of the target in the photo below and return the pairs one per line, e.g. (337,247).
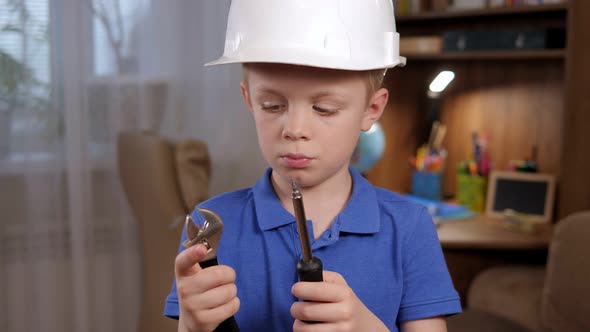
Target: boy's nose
(297,125)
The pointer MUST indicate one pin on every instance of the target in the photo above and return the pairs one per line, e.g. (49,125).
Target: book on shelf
(468,4)
(504,39)
(420,45)
(516,3)
(410,7)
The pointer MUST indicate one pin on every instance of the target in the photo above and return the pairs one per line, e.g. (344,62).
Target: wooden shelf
(522,98)
(558,54)
(479,13)
(516,96)
(435,23)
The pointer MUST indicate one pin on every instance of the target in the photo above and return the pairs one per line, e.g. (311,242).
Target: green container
(471,191)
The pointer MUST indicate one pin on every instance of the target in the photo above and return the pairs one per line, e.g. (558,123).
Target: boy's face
(309,119)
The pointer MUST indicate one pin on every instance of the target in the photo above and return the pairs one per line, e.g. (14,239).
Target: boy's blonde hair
(373,78)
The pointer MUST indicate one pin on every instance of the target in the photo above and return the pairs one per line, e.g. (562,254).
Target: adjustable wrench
(209,235)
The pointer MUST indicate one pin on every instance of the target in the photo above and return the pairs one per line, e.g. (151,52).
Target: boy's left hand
(334,305)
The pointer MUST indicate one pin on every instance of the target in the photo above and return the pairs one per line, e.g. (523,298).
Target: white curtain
(73,74)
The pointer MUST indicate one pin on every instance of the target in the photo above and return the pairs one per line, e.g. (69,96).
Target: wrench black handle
(230,324)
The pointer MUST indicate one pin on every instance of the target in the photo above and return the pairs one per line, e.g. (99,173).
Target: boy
(312,72)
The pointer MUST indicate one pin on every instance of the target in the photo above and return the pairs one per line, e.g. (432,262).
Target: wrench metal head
(209,235)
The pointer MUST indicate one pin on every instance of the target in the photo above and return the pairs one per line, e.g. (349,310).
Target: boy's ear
(245,95)
(375,108)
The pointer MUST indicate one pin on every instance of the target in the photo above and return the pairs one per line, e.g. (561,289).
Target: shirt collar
(360,215)
(269,211)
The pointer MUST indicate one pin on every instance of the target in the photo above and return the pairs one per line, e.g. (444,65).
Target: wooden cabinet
(521,98)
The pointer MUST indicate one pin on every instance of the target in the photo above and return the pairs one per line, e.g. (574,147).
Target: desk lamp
(435,89)
(439,83)
(430,157)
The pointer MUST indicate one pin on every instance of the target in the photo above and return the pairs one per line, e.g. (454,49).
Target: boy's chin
(308,176)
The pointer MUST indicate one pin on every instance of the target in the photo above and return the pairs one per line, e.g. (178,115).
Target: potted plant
(15,77)
(20,89)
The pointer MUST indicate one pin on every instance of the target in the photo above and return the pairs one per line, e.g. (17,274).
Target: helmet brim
(399,62)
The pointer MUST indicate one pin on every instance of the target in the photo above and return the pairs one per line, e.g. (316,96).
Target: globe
(369,149)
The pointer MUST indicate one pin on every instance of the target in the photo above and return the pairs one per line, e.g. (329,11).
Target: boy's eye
(323,111)
(271,107)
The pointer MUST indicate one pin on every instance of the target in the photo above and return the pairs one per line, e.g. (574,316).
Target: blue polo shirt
(385,246)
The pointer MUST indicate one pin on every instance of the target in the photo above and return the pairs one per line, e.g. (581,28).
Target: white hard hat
(338,34)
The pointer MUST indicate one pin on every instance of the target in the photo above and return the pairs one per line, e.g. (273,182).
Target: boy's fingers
(186,262)
(213,277)
(318,311)
(319,291)
(334,277)
(221,312)
(218,296)
(333,289)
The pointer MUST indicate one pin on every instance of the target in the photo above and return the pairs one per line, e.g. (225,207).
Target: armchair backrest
(565,302)
(163,182)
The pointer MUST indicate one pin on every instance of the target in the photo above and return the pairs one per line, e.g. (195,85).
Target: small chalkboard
(527,193)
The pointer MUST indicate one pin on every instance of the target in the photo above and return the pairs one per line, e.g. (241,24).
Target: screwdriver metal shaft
(309,268)
(301,222)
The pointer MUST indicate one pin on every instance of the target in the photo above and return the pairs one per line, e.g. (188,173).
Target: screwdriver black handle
(311,270)
(230,324)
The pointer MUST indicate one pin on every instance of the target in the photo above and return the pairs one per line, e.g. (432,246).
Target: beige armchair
(522,298)
(163,182)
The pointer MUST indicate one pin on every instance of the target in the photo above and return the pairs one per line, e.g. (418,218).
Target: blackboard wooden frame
(549,194)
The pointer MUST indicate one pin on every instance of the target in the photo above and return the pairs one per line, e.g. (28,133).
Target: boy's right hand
(206,297)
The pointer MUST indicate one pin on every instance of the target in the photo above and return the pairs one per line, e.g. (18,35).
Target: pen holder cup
(427,185)
(471,191)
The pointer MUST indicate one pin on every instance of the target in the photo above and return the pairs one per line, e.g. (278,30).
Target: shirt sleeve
(171,308)
(428,290)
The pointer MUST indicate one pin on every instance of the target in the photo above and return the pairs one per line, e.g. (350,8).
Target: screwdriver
(309,268)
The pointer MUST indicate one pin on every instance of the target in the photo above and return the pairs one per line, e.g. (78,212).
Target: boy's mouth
(296,160)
